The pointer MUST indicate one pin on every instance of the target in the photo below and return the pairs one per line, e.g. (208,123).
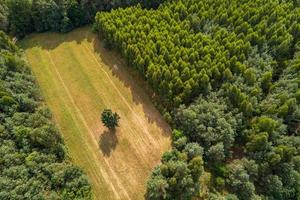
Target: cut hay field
(78,79)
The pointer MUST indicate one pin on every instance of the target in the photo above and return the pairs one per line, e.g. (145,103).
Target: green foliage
(157,188)
(6,43)
(178,175)
(176,134)
(228,76)
(23,17)
(3,16)
(208,123)
(213,49)
(19,17)
(46,15)
(239,181)
(33,160)
(220,182)
(191,67)
(258,142)
(110,119)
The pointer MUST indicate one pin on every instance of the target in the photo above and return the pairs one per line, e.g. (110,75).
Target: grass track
(78,79)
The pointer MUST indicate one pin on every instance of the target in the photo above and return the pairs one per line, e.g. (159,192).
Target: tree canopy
(110,119)
(33,160)
(227,73)
(20,18)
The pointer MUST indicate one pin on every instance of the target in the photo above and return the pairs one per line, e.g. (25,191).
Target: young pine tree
(110,119)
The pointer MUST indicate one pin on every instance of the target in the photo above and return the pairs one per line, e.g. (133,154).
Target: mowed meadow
(78,79)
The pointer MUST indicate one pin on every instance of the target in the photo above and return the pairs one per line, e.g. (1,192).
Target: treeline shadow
(141,92)
(51,40)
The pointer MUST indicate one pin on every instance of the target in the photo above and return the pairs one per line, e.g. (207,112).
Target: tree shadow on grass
(108,142)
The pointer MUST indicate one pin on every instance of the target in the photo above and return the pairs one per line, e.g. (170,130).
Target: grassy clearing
(78,79)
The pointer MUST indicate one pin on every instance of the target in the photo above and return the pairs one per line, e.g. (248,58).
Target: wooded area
(33,159)
(228,74)
(20,18)
(227,77)
(34,163)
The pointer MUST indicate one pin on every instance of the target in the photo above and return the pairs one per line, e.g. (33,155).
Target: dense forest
(34,163)
(228,75)
(23,17)
(33,159)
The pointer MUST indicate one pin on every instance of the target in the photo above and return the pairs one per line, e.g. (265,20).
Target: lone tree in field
(110,119)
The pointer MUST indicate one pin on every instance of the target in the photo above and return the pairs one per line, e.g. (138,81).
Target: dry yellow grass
(78,79)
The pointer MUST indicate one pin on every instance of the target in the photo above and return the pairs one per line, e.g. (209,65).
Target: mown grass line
(68,122)
(78,79)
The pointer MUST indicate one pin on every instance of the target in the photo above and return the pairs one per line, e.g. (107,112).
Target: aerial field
(78,79)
